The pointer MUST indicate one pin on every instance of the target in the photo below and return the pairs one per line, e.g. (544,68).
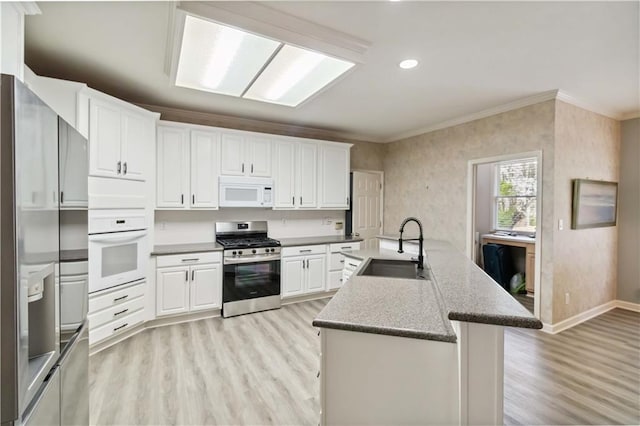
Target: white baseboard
(635,307)
(580,318)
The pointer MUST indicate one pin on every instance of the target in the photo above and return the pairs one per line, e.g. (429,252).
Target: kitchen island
(416,351)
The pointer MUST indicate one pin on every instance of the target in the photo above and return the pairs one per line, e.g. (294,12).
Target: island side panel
(378,379)
(481,372)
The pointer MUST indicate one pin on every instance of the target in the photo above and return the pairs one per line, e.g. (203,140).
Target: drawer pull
(117,299)
(318,375)
(121,312)
(346,248)
(342,261)
(318,332)
(195,259)
(351,264)
(121,327)
(306,251)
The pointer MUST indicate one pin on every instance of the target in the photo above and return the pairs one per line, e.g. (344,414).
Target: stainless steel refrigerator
(30,372)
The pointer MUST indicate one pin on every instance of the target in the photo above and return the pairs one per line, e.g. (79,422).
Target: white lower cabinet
(115,310)
(303,270)
(188,283)
(336,263)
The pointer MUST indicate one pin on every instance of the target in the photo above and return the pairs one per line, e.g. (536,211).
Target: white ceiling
(473,56)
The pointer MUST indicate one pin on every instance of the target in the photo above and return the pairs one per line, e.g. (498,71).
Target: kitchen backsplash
(177,227)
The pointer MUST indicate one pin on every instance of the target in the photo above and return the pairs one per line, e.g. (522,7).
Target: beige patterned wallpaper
(367,156)
(587,146)
(426,177)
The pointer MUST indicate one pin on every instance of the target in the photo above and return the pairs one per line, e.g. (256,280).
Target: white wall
(629,213)
(176,227)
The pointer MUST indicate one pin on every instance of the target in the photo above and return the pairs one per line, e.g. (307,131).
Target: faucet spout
(420,240)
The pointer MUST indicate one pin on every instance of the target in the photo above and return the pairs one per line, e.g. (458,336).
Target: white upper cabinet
(334,176)
(120,137)
(284,173)
(307,175)
(204,169)
(258,155)
(232,155)
(104,139)
(245,155)
(187,168)
(172,167)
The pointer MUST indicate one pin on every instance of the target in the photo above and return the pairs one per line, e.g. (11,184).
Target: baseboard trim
(622,304)
(580,318)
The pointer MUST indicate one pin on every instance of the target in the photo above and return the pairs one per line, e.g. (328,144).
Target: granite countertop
(74,255)
(164,249)
(390,306)
(459,290)
(312,241)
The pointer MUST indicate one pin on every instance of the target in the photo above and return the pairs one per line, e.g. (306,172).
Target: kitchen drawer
(351,264)
(189,259)
(336,262)
(335,280)
(338,247)
(116,327)
(108,298)
(115,312)
(304,250)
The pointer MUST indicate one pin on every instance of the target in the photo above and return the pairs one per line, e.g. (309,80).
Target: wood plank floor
(260,369)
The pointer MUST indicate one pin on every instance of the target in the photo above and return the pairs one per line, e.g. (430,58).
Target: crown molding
(28,7)
(630,116)
(250,124)
(520,103)
(589,106)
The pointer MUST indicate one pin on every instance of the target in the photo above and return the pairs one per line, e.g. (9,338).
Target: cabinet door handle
(193,198)
(61,197)
(342,261)
(121,312)
(351,264)
(121,327)
(193,274)
(300,200)
(293,200)
(242,167)
(181,198)
(251,168)
(186,276)
(302,264)
(119,167)
(124,168)
(117,299)
(347,201)
(307,263)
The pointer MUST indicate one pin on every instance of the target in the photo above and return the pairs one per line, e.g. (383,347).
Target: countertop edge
(396,332)
(501,320)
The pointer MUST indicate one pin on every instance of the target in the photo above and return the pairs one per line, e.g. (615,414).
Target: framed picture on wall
(595,204)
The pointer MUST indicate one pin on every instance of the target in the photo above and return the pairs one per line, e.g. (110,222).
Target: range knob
(253,251)
(266,250)
(233,253)
(272,250)
(240,253)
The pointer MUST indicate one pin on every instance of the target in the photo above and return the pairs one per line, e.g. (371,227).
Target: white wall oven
(118,250)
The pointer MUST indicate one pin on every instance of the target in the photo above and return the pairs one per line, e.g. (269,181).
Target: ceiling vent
(249,50)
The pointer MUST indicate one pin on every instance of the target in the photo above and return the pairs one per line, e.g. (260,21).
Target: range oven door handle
(117,237)
(235,261)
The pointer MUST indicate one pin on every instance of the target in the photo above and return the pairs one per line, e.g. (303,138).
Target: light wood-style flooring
(260,369)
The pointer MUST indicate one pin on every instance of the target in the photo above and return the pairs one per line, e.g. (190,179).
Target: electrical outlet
(560,224)
(567,299)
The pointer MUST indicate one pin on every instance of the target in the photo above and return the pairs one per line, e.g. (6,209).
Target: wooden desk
(530,260)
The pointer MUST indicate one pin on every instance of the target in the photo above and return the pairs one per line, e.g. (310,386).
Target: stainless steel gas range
(251,263)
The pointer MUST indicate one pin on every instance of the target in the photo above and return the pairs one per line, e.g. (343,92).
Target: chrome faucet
(420,240)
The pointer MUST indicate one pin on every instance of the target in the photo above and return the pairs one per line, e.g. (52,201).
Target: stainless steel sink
(393,269)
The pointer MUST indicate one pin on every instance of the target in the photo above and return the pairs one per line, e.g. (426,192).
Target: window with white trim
(516,187)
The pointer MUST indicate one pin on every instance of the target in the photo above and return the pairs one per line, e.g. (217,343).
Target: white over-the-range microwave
(243,191)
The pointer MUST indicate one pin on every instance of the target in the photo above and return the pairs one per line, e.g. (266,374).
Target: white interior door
(367,207)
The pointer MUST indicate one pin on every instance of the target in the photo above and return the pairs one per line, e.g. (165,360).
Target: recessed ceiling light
(294,75)
(408,64)
(221,59)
